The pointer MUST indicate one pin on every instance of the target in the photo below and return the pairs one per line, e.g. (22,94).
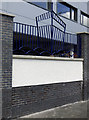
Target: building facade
(74,14)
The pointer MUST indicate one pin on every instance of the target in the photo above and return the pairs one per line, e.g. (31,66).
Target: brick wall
(6,40)
(30,99)
(24,100)
(84,37)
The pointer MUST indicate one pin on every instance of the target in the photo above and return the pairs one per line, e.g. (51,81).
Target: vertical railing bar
(70,42)
(55,35)
(56,32)
(37,19)
(65,41)
(22,35)
(51,32)
(59,39)
(16,35)
(27,34)
(13,36)
(45,36)
(74,44)
(19,35)
(48,32)
(70,38)
(40,36)
(25,37)
(53,41)
(64,35)
(35,37)
(48,36)
(32,37)
(67,37)
(56,38)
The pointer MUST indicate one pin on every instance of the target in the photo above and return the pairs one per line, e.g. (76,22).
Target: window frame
(81,20)
(42,7)
(71,8)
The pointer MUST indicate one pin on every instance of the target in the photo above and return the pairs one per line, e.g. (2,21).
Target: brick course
(30,99)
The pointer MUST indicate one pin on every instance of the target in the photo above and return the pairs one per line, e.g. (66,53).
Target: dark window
(45,5)
(84,19)
(41,4)
(49,6)
(67,11)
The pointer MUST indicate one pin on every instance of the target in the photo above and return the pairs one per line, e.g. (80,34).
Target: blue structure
(44,40)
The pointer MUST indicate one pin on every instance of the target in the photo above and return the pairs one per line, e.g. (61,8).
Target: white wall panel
(30,71)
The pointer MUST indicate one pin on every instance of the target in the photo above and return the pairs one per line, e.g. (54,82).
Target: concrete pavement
(74,110)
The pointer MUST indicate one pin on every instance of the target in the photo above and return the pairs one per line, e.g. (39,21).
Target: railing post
(51,32)
(63,37)
(37,33)
(79,45)
(6,48)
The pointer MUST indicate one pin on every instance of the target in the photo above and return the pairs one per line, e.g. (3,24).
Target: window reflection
(63,10)
(67,11)
(41,4)
(84,19)
(88,22)
(50,6)
(46,5)
(72,15)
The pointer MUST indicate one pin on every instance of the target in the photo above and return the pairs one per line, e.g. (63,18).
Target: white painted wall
(45,70)
(24,12)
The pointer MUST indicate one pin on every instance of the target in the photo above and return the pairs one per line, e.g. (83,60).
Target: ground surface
(76,110)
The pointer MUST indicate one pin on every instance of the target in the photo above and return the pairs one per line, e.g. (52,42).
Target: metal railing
(51,15)
(24,35)
(44,40)
(25,41)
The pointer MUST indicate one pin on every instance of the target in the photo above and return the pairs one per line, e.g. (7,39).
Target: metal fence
(44,40)
(26,41)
